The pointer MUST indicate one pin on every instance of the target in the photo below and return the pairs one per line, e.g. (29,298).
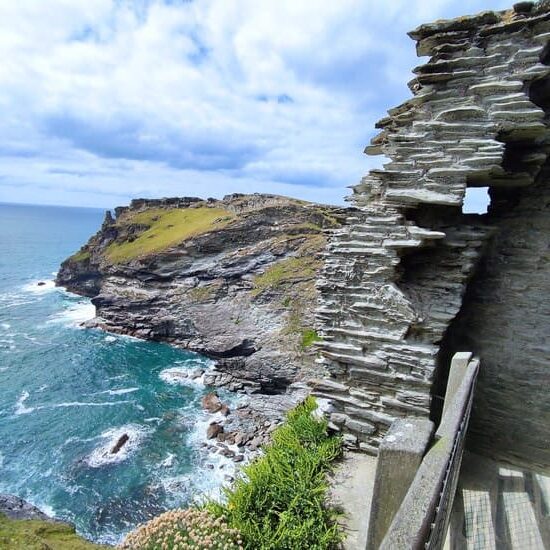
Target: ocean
(68,394)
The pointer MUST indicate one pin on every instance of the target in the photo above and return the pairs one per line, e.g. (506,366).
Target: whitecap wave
(75,314)
(5,326)
(103,455)
(110,338)
(36,288)
(169,461)
(121,391)
(20,407)
(181,376)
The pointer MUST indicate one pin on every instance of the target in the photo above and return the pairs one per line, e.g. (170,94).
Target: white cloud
(105,100)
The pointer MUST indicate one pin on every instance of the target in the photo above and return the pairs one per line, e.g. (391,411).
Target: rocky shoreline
(232,279)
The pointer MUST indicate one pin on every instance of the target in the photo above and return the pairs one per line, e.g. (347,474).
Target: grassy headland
(159,229)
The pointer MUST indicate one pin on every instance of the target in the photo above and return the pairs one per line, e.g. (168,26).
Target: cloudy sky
(105,100)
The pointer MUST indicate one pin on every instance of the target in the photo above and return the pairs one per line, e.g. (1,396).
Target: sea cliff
(233,279)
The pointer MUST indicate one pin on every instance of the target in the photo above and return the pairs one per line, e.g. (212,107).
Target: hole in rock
(476,200)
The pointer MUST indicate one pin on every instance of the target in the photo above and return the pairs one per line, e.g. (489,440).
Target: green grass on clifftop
(279,502)
(165,228)
(41,535)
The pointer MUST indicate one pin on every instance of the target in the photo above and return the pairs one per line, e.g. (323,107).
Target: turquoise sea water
(68,393)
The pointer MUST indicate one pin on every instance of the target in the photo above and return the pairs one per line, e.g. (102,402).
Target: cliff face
(232,279)
(406,263)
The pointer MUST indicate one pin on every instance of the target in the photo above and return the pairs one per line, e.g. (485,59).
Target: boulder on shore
(211,402)
(213,430)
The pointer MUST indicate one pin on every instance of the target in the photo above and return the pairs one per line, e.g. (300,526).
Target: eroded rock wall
(506,321)
(395,277)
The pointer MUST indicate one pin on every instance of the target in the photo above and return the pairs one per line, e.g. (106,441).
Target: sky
(103,101)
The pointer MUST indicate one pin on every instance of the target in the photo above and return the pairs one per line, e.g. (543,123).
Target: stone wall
(395,277)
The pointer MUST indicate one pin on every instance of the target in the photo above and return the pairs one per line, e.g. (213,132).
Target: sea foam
(20,407)
(102,455)
(75,314)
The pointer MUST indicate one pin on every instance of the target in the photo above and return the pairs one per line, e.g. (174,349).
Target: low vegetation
(182,530)
(41,535)
(288,271)
(309,337)
(202,293)
(278,503)
(159,229)
(81,256)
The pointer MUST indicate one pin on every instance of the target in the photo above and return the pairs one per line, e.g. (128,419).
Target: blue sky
(105,100)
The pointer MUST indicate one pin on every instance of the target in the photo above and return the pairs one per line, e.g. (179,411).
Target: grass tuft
(309,337)
(159,229)
(279,501)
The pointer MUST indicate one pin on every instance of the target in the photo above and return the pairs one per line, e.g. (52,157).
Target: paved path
(351,491)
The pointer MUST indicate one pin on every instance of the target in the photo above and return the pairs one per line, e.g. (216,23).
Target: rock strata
(397,273)
(239,289)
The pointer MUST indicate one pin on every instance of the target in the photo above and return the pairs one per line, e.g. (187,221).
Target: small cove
(68,394)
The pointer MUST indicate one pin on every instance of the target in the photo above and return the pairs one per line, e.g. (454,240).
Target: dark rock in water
(122,440)
(225,410)
(211,402)
(16,508)
(213,430)
(41,283)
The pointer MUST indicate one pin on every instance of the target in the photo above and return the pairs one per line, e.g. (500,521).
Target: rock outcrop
(398,273)
(16,508)
(233,279)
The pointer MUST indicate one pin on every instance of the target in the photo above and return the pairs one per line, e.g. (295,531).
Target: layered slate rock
(396,274)
(233,279)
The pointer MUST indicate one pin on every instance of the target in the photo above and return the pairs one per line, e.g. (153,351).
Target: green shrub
(183,529)
(279,501)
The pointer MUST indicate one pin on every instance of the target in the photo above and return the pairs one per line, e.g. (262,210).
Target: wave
(75,314)
(10,300)
(181,376)
(35,287)
(20,407)
(169,461)
(102,455)
(122,391)
(84,404)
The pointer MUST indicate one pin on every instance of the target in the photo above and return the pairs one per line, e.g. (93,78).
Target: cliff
(410,279)
(233,279)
